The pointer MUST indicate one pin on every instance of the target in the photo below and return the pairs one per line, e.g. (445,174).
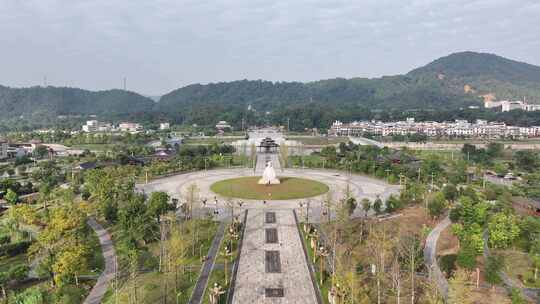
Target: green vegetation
(228,255)
(167,275)
(422,93)
(318,140)
(289,188)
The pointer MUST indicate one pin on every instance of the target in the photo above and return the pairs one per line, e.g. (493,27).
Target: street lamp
(323,253)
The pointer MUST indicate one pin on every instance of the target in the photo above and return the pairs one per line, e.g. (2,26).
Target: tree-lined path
(107,276)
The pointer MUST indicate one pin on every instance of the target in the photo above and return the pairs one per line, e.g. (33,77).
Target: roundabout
(249,188)
(336,183)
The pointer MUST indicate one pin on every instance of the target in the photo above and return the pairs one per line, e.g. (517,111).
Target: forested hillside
(53,101)
(446,85)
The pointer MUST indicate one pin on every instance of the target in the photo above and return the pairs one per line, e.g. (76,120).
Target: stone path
(430,256)
(107,247)
(361,186)
(204,276)
(272,272)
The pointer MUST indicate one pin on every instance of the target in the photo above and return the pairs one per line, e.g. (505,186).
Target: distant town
(459,128)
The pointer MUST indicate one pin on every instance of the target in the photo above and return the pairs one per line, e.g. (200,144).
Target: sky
(161,45)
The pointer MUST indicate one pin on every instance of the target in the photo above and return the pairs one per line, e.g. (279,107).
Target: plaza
(272,265)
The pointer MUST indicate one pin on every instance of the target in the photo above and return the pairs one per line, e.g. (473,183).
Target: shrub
(494,264)
(466,257)
(4,239)
(448,264)
(14,249)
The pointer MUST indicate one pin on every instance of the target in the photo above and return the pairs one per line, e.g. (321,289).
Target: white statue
(269,175)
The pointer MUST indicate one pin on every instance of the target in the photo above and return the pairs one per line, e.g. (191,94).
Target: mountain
(446,84)
(52,101)
(452,82)
(484,74)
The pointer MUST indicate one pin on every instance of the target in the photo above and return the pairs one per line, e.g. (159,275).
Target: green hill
(446,84)
(53,101)
(485,74)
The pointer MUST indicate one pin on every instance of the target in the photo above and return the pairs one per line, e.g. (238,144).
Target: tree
(350,205)
(450,192)
(516,297)
(377,205)
(191,197)
(11,197)
(494,265)
(410,253)
(379,245)
(4,280)
(284,155)
(466,256)
(158,204)
(70,262)
(468,150)
(459,289)
(41,151)
(178,250)
(392,204)
(526,160)
(437,204)
(495,149)
(366,205)
(503,229)
(137,225)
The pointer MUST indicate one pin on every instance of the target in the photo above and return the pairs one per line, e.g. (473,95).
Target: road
(107,248)
(366,142)
(430,256)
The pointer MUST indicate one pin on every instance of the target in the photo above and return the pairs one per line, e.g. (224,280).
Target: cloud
(162,44)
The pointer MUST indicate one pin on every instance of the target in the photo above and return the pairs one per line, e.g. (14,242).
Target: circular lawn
(248,188)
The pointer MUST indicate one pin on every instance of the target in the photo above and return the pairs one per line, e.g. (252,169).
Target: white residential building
(459,128)
(3,149)
(130,127)
(96,126)
(509,105)
(164,126)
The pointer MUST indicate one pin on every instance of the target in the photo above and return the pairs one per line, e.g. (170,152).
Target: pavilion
(268,145)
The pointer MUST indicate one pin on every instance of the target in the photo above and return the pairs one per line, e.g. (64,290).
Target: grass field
(211,140)
(94,147)
(290,188)
(319,140)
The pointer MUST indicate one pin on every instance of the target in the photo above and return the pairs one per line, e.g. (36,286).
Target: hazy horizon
(160,45)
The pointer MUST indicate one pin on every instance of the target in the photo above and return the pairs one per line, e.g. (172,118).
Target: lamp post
(323,253)
(226,254)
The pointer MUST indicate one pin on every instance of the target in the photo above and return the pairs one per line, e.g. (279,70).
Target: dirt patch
(448,243)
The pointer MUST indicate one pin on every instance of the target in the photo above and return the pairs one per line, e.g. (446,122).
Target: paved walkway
(360,186)
(259,271)
(430,256)
(202,282)
(107,247)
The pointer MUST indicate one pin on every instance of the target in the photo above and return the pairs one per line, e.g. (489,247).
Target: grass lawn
(211,140)
(94,147)
(518,266)
(319,140)
(8,262)
(290,188)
